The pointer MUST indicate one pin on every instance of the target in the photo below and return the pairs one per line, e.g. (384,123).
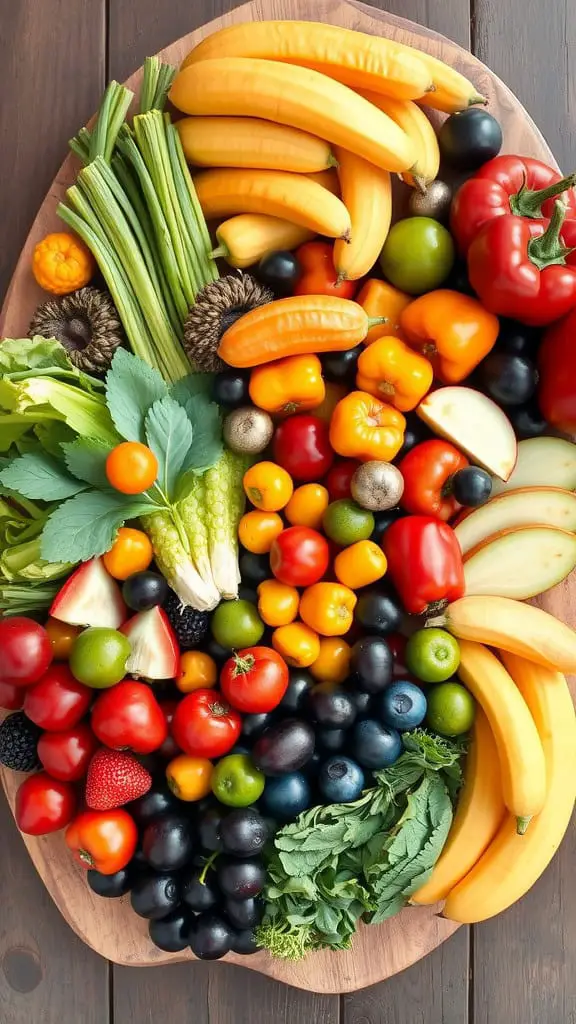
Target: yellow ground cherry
(190,778)
(198,671)
(297,643)
(61,636)
(268,486)
(257,531)
(131,467)
(360,564)
(131,552)
(307,506)
(277,603)
(333,663)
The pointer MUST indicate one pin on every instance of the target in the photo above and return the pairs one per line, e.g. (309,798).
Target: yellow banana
(243,240)
(367,195)
(478,816)
(520,754)
(512,863)
(513,626)
(418,128)
(452,91)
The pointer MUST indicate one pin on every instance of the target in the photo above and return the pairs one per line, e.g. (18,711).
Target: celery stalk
(193,512)
(113,110)
(199,217)
(156,82)
(175,563)
(194,240)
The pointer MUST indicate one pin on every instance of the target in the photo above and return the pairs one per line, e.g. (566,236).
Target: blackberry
(190,626)
(18,742)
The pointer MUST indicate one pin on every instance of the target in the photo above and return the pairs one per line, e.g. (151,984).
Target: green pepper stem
(528,202)
(548,249)
(522,822)
(375,321)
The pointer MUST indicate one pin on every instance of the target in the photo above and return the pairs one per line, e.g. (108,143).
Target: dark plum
(156,803)
(416,431)
(240,879)
(244,942)
(254,568)
(372,663)
(331,741)
(154,895)
(300,683)
(284,747)
(172,933)
(286,797)
(507,378)
(382,520)
(253,725)
(244,832)
(517,339)
(209,822)
(331,706)
(168,843)
(210,937)
(243,914)
(280,270)
(340,367)
(144,590)
(361,699)
(230,388)
(199,890)
(527,420)
(378,611)
(340,780)
(471,486)
(469,138)
(113,886)
(374,745)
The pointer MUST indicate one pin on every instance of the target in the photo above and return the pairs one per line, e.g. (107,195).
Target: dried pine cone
(87,325)
(217,307)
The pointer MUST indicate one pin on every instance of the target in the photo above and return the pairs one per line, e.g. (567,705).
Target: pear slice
(528,506)
(542,462)
(519,563)
(475,424)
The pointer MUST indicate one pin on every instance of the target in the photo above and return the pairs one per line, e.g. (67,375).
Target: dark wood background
(56,56)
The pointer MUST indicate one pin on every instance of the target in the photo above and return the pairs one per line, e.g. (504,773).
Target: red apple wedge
(90,597)
(542,462)
(475,424)
(519,563)
(528,506)
(155,653)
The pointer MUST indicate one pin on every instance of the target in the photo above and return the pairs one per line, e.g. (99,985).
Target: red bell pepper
(427,469)
(508,184)
(557,368)
(424,563)
(526,269)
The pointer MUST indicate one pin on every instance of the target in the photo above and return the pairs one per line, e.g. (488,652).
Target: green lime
(98,657)
(450,709)
(418,255)
(236,624)
(345,522)
(432,655)
(236,781)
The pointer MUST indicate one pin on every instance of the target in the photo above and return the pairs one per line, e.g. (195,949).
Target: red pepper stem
(548,249)
(528,201)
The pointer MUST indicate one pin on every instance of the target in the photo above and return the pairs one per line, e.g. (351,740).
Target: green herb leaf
(193,384)
(207,428)
(86,459)
(86,526)
(52,434)
(169,435)
(36,353)
(39,475)
(132,387)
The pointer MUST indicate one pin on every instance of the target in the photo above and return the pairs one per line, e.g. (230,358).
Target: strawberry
(115,778)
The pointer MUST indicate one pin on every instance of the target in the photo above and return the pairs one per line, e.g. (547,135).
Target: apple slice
(542,462)
(90,597)
(520,563)
(475,424)
(155,653)
(528,506)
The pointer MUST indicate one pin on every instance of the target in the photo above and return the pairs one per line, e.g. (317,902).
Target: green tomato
(98,657)
(432,655)
(345,522)
(418,255)
(236,781)
(236,624)
(450,709)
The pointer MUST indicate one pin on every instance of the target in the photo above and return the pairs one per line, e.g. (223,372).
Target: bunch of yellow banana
(520,781)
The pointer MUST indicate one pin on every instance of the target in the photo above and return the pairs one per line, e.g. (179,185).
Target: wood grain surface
(520,963)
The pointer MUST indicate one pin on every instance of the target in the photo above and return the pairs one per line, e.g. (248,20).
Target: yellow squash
(520,753)
(296,96)
(479,813)
(413,121)
(249,142)
(367,195)
(293,197)
(512,863)
(354,58)
(244,240)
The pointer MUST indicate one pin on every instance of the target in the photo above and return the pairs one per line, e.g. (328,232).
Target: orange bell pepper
(289,385)
(392,371)
(364,428)
(378,298)
(452,330)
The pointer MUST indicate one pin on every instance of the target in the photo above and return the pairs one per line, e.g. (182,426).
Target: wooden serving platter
(109,926)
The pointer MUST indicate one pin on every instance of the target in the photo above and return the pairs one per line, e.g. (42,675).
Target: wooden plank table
(517,969)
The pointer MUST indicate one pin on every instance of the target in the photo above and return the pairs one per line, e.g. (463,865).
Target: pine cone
(217,307)
(87,325)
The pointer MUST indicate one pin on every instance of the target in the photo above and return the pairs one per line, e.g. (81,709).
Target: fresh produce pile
(262,577)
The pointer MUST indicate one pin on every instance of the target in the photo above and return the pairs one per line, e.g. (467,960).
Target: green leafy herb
(193,384)
(169,435)
(207,447)
(131,388)
(86,459)
(86,525)
(40,476)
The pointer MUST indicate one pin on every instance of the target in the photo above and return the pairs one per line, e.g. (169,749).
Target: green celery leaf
(207,429)
(169,434)
(86,525)
(193,384)
(86,459)
(38,353)
(39,475)
(12,427)
(132,387)
(52,435)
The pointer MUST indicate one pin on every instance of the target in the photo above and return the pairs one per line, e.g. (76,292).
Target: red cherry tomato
(318,274)
(128,717)
(66,755)
(25,651)
(44,805)
(255,680)
(204,725)
(58,701)
(338,479)
(103,840)
(299,556)
(11,696)
(169,748)
(302,446)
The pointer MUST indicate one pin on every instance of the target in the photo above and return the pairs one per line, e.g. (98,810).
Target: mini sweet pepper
(424,563)
(453,331)
(364,428)
(382,299)
(427,470)
(557,369)
(289,385)
(390,370)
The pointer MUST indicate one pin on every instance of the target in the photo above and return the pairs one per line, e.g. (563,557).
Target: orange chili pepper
(328,608)
(360,564)
(392,371)
(289,385)
(379,298)
(277,603)
(333,663)
(307,506)
(364,428)
(257,531)
(268,486)
(452,330)
(297,643)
